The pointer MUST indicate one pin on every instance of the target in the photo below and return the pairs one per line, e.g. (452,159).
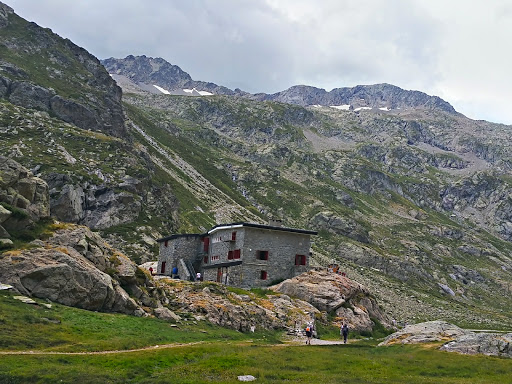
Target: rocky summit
(409,197)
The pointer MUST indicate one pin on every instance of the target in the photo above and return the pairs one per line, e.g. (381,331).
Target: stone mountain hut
(239,254)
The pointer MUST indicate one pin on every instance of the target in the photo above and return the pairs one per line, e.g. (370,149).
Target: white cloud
(455,49)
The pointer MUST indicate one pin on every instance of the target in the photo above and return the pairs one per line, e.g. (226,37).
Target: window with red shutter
(236,254)
(166,242)
(263,275)
(206,244)
(230,255)
(300,259)
(233,236)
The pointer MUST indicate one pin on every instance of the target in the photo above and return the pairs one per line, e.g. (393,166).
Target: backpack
(308,329)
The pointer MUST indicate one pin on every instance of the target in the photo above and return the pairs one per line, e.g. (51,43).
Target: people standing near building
(175,273)
(344,332)
(198,276)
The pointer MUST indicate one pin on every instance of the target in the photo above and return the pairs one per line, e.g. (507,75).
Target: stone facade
(240,254)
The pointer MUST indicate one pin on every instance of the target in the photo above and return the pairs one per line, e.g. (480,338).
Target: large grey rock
(329,292)
(29,95)
(68,205)
(428,332)
(71,269)
(492,344)
(26,194)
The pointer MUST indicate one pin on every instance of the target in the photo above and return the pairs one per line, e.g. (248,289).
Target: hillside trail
(295,342)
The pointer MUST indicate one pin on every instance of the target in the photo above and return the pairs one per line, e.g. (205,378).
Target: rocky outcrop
(98,106)
(339,225)
(23,198)
(492,344)
(5,11)
(428,332)
(456,339)
(330,292)
(217,304)
(75,267)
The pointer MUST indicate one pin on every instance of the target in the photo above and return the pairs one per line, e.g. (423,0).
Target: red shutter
(166,242)
(233,236)
(263,275)
(206,244)
(236,254)
(230,255)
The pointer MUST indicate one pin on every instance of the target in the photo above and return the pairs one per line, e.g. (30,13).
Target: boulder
(428,332)
(73,268)
(329,292)
(472,343)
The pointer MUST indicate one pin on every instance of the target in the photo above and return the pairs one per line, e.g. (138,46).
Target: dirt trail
(290,343)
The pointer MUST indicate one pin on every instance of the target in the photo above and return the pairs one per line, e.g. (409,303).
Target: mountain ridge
(147,71)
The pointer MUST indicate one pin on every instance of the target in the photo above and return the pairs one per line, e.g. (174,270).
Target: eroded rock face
(25,197)
(329,292)
(430,331)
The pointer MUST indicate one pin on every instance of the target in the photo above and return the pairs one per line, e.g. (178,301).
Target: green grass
(222,362)
(61,328)
(220,357)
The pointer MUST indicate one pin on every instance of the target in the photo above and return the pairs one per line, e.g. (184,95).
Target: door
(219,275)
(162,269)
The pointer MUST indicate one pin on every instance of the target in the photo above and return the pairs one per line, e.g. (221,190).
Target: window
(166,242)
(262,255)
(215,258)
(236,254)
(263,275)
(300,259)
(233,236)
(230,255)
(162,268)
(205,259)
(206,244)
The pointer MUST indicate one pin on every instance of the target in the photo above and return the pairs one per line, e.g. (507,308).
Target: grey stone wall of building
(187,248)
(282,248)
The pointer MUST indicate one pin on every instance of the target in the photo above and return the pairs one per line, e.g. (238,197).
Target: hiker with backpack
(344,332)
(309,332)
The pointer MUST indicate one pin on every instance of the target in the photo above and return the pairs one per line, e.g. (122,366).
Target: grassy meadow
(203,353)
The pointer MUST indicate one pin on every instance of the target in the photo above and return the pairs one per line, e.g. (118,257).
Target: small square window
(262,255)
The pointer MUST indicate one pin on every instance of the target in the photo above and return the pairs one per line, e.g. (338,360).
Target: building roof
(239,225)
(260,226)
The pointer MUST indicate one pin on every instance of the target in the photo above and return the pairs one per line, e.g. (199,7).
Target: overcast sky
(459,50)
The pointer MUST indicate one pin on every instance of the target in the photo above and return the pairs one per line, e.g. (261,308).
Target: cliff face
(39,69)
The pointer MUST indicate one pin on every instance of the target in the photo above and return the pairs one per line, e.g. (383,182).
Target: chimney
(275,222)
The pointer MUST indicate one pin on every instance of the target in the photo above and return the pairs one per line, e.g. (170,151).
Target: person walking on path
(344,332)
(309,332)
